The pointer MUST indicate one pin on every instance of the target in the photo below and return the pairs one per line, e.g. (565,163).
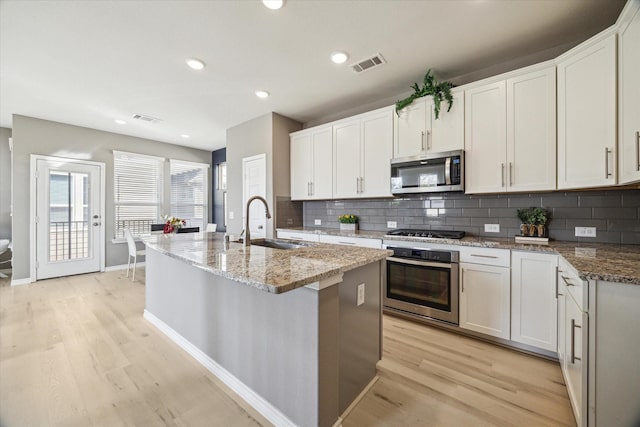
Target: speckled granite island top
(271,270)
(593,261)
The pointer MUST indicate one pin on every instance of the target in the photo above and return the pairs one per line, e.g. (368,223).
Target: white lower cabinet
(351,241)
(293,235)
(484,299)
(534,307)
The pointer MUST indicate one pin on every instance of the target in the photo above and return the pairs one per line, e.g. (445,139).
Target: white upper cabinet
(629,96)
(587,114)
(311,164)
(362,154)
(531,131)
(510,138)
(485,138)
(417,131)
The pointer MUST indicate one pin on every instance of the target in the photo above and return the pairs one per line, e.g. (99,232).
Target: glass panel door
(425,286)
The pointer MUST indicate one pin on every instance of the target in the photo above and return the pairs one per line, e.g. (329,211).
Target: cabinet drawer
(307,237)
(351,241)
(573,283)
(486,256)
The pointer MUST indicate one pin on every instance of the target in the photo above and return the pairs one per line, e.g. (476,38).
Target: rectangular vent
(144,118)
(368,64)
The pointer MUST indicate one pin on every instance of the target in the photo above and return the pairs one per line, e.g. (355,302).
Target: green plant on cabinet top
(439,90)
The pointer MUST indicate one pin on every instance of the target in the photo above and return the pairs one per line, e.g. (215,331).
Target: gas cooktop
(436,234)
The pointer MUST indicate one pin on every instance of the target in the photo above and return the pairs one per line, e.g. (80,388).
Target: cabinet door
(485,138)
(447,132)
(629,93)
(411,128)
(346,159)
(484,299)
(534,306)
(301,174)
(531,131)
(377,150)
(575,361)
(587,116)
(322,159)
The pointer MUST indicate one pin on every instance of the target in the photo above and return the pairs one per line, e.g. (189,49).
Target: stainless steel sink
(277,244)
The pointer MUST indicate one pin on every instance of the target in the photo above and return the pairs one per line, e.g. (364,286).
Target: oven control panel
(425,254)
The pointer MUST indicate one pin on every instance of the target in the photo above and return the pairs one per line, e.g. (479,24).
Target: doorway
(68,226)
(254,177)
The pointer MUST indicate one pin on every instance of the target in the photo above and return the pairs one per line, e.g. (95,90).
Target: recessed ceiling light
(185,136)
(195,63)
(273,4)
(339,57)
(262,94)
(120,122)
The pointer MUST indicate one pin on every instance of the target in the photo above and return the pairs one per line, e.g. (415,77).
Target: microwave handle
(447,171)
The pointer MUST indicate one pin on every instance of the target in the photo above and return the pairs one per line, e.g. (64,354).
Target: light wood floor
(76,351)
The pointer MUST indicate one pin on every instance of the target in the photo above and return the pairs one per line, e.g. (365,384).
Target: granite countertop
(592,261)
(271,270)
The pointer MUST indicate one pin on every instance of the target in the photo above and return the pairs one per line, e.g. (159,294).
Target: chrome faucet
(247,236)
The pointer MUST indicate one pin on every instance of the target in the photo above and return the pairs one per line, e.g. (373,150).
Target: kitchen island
(282,327)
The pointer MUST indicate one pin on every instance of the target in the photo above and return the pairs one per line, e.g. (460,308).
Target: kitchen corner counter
(271,270)
(592,261)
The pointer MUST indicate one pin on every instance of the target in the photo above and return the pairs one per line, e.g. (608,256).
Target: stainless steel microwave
(428,173)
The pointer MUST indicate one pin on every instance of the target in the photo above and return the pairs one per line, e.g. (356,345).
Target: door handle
(312,189)
(638,150)
(361,184)
(510,174)
(96,224)
(573,341)
(422,140)
(607,174)
(566,281)
(96,216)
(502,173)
(428,140)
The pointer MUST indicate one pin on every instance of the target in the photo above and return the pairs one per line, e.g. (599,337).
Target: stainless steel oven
(423,282)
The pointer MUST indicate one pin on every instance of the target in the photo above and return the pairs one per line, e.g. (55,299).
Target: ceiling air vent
(368,64)
(144,118)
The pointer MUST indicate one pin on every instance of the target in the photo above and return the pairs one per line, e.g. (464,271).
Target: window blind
(189,192)
(137,187)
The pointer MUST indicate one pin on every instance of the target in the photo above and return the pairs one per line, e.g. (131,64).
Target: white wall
(36,136)
(5,184)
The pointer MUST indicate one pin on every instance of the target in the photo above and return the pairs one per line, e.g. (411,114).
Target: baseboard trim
(122,267)
(357,399)
(270,412)
(18,282)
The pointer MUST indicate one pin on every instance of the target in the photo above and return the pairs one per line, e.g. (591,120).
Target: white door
(376,152)
(346,159)
(447,132)
(69,226)
(485,138)
(322,159)
(411,128)
(301,172)
(254,178)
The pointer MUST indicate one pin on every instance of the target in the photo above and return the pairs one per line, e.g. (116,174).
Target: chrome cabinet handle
(313,190)
(484,256)
(422,139)
(573,341)
(428,140)
(557,273)
(462,281)
(346,243)
(502,173)
(566,281)
(510,174)
(638,150)
(361,184)
(308,188)
(607,174)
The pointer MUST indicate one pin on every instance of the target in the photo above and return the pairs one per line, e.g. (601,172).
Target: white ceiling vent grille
(144,118)
(368,64)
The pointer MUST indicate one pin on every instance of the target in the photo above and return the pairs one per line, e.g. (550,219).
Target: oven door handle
(420,263)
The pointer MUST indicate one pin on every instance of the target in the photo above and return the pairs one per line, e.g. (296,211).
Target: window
(189,192)
(137,188)
(222,176)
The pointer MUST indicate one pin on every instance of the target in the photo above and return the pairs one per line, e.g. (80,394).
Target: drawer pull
(566,281)
(346,243)
(573,341)
(485,256)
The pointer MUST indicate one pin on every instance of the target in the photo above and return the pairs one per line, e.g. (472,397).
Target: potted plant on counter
(348,222)
(533,225)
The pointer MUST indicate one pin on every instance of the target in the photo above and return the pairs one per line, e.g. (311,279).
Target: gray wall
(267,134)
(5,184)
(614,213)
(217,211)
(35,136)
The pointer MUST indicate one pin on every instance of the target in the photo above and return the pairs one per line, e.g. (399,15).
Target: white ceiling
(89,62)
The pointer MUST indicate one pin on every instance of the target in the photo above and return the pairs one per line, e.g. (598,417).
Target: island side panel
(270,342)
(359,331)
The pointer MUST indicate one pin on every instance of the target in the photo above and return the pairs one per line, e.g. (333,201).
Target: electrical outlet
(392,224)
(317,222)
(585,232)
(231,215)
(360,294)
(492,228)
